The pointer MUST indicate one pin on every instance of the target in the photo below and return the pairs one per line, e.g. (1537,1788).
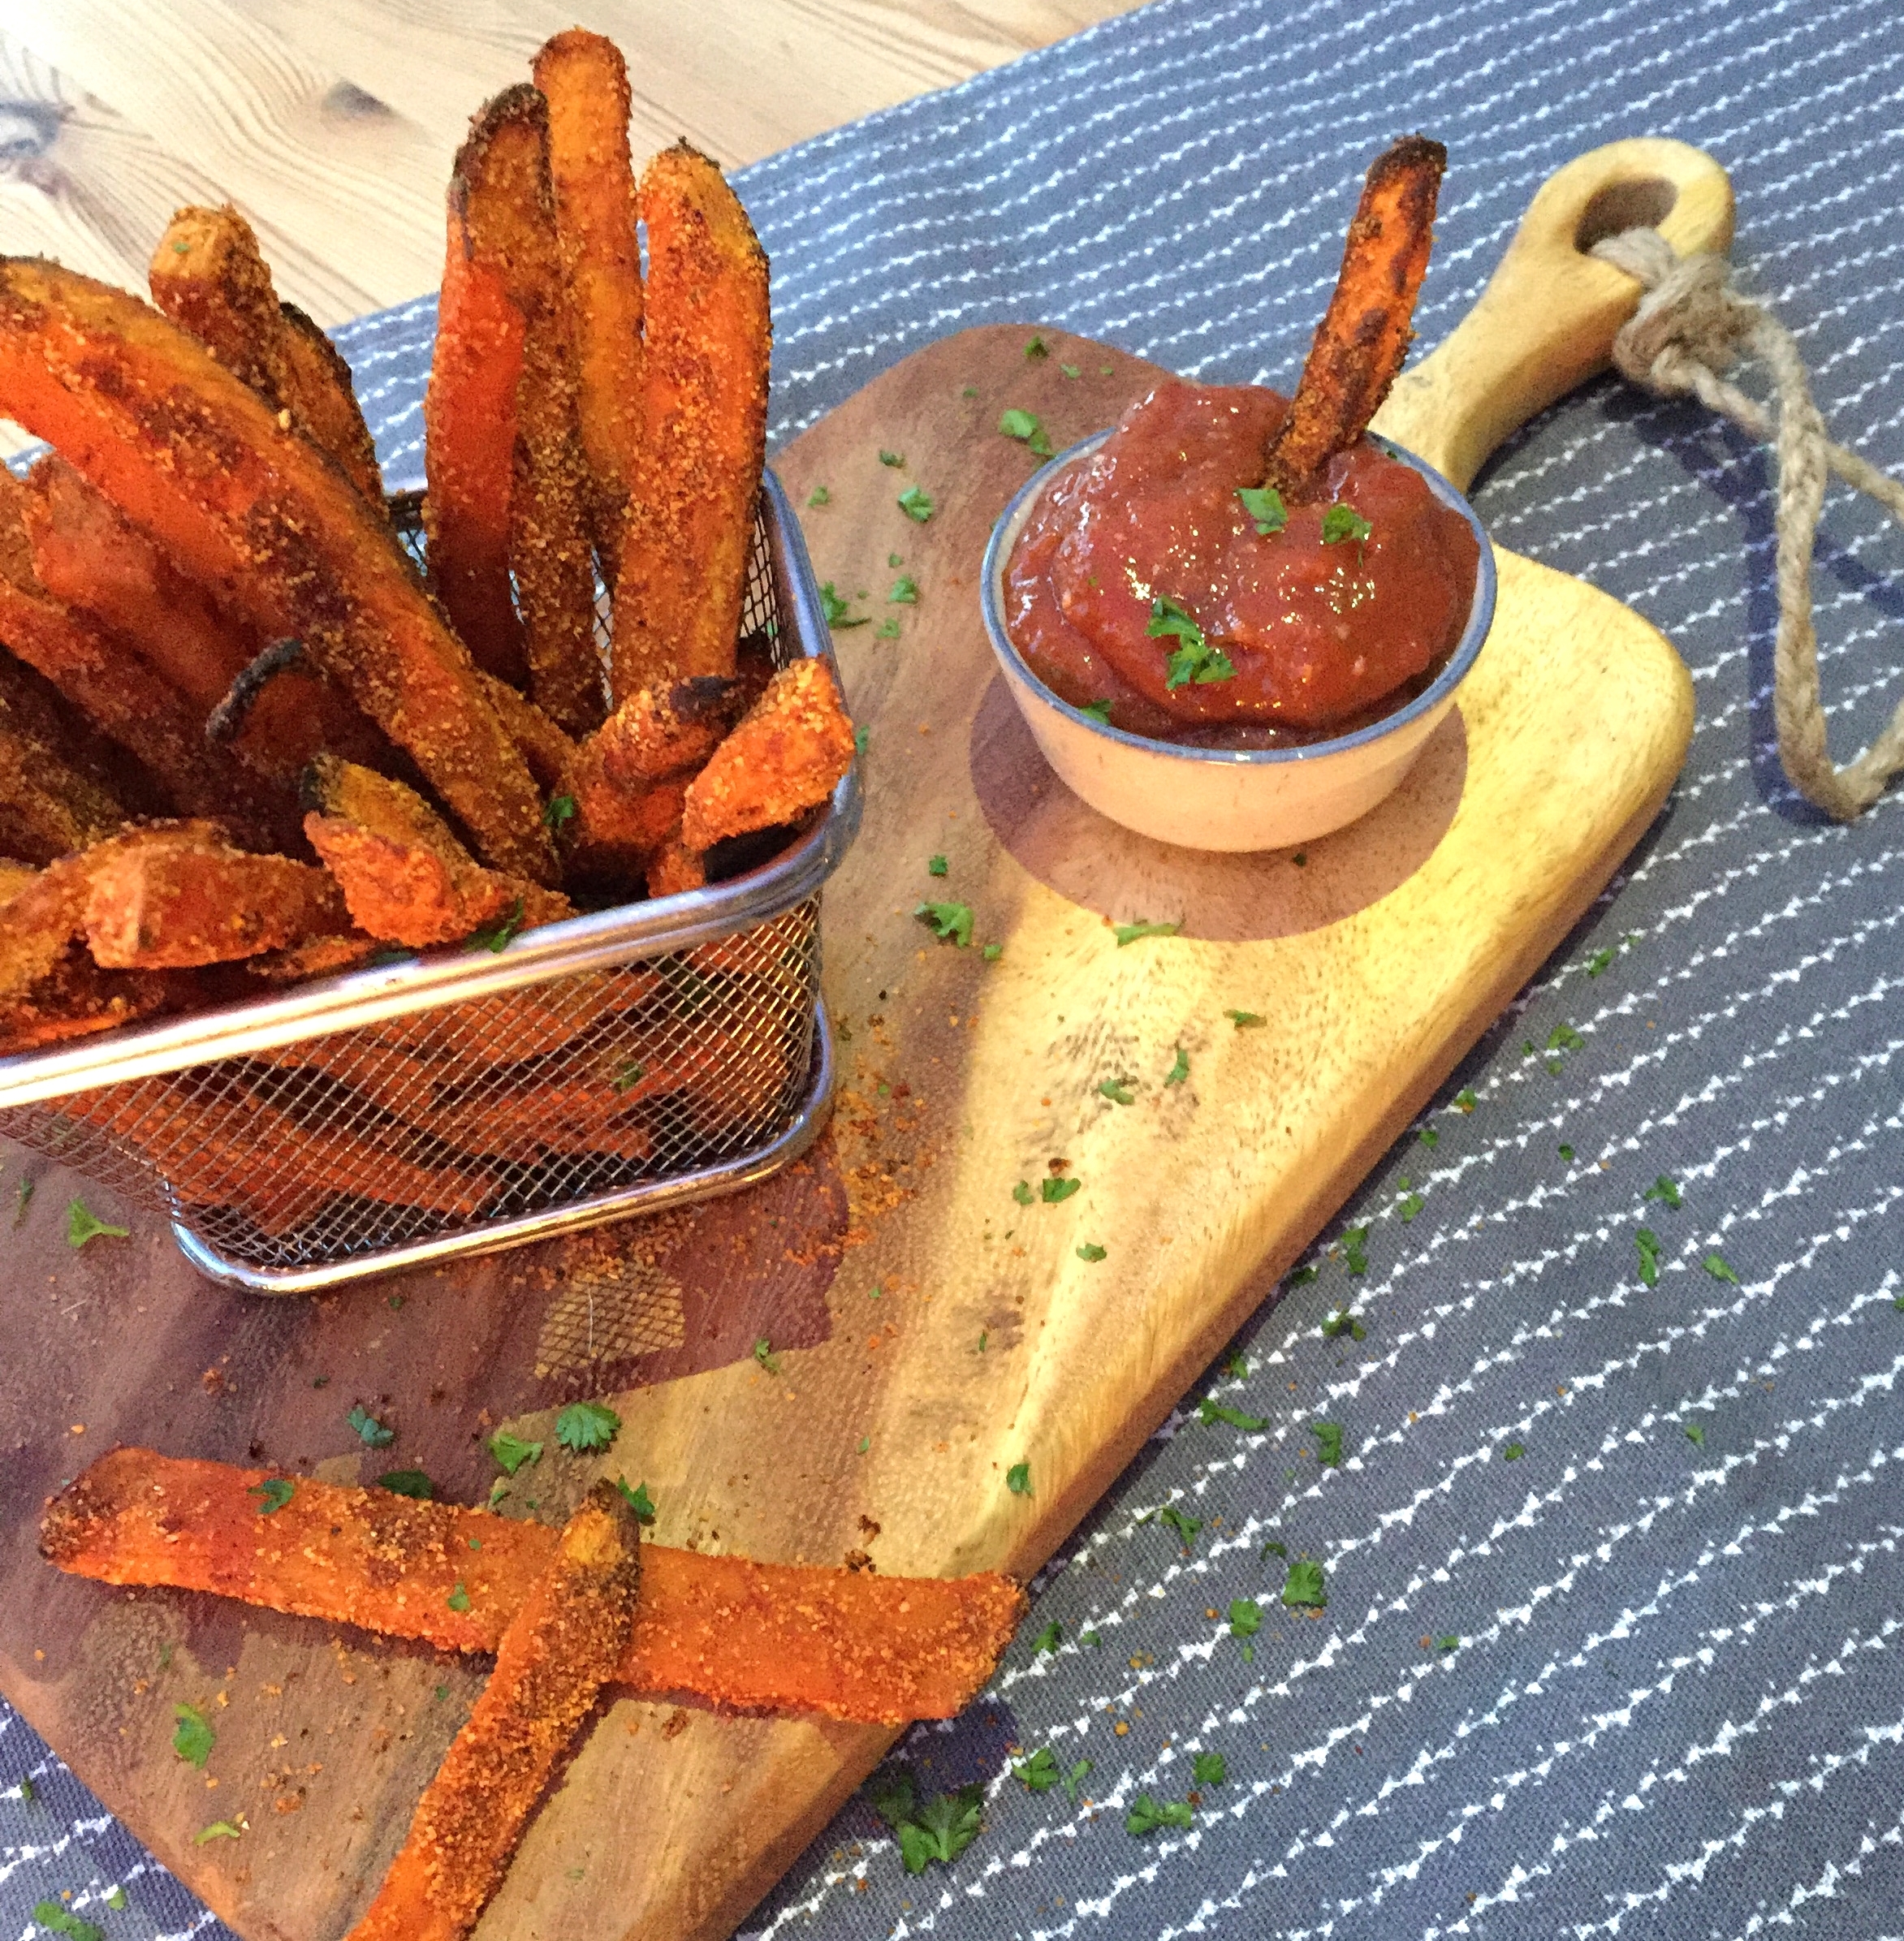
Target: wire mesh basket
(470,1099)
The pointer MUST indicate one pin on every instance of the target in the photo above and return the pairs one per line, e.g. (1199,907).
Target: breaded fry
(191,453)
(48,805)
(209,275)
(848,1645)
(528,1022)
(167,898)
(14,876)
(584,81)
(543,744)
(561,1647)
(703,430)
(628,780)
(784,758)
(674,868)
(320,957)
(1365,333)
(403,874)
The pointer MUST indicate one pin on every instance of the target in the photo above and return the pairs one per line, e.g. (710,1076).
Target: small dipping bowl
(1229,798)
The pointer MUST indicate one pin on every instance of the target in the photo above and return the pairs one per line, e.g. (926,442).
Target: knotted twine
(1691,326)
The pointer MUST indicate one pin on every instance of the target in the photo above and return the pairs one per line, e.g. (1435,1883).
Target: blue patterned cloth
(1646,1676)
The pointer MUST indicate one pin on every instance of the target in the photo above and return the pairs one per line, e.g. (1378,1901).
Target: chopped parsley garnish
(23,1199)
(1648,1244)
(1070,370)
(1037,348)
(557,810)
(1599,961)
(819,496)
(1408,1205)
(1100,711)
(1694,1435)
(940,1830)
(273,1494)
(458,1600)
(1090,1638)
(511,1451)
(1714,1264)
(763,1354)
(1209,1769)
(1117,1090)
(218,1830)
(1302,1276)
(992,952)
(585,1425)
(1238,1366)
(1354,1251)
(1343,522)
(1146,1815)
(894,459)
(888,629)
(1465,1099)
(1039,1773)
(115,1898)
(1513,1452)
(950,922)
(1018,1479)
(408,1482)
(1048,1639)
(1328,1443)
(1025,427)
(63,1920)
(1566,1153)
(936,865)
(905,591)
(1305,1588)
(1193,659)
(1339,1323)
(1429,1138)
(1092,1250)
(1273,1549)
(1563,1038)
(1186,1527)
(81,1226)
(501,934)
(1264,504)
(1449,1641)
(1130,933)
(839,612)
(370,1432)
(1021,1192)
(1054,1192)
(628,1077)
(860,737)
(1208,1410)
(194,1738)
(915,504)
(1245,1618)
(638,1499)
(1179,1072)
(1663,1189)
(1245,1021)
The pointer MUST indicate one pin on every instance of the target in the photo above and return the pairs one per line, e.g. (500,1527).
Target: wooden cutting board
(931,1332)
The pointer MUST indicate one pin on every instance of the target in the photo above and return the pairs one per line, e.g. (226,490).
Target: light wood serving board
(877,1268)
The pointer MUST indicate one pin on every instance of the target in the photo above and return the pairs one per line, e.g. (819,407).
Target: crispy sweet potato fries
(205,582)
(1365,333)
(846,1644)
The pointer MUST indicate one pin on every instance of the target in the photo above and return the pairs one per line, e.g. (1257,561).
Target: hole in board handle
(1644,203)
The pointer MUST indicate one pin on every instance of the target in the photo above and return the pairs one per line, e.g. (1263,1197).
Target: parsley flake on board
(557,810)
(1021,1192)
(1117,1090)
(1328,1443)
(1663,1189)
(1342,522)
(819,496)
(1039,1773)
(992,952)
(1131,933)
(896,459)
(1339,1323)
(1355,1251)
(585,1425)
(1209,1769)
(1100,711)
(936,865)
(763,1354)
(1238,1366)
(1245,1021)
(1714,1264)
(511,1451)
(949,922)
(1048,1639)
(1070,370)
(408,1482)
(273,1494)
(1264,504)
(501,934)
(860,737)
(1647,1242)
(838,613)
(1055,1193)
(1563,1038)
(1566,1153)
(1146,1815)
(1179,1072)
(888,629)
(1599,961)
(1194,660)
(194,1738)
(1694,1435)
(218,1830)
(1186,1527)
(916,504)
(1273,1549)
(23,1199)
(370,1432)
(1038,348)
(1018,1479)
(1302,1276)
(1408,1205)
(1208,1410)
(1465,1099)
(1023,426)
(638,1499)
(1305,1588)
(81,1226)
(905,591)
(1429,1138)
(62,1921)
(458,1600)
(1449,1641)
(1245,1618)
(1513,1452)
(1090,1251)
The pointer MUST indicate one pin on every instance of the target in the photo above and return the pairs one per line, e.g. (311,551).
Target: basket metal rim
(595,941)
(492,1236)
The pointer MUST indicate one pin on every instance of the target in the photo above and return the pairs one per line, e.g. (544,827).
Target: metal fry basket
(466,1100)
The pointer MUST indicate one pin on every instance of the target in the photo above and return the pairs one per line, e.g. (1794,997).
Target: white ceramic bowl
(1230,799)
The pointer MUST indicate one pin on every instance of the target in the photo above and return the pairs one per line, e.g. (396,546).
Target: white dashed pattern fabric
(1615,1637)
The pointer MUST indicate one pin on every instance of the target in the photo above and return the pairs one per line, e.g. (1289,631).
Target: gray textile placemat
(1674,1703)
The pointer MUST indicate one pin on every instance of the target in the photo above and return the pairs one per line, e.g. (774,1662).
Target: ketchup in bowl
(1144,589)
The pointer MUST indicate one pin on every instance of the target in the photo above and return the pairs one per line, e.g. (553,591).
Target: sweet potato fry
(703,429)
(561,1647)
(543,744)
(528,1022)
(169,897)
(628,780)
(674,868)
(404,876)
(320,957)
(48,805)
(584,81)
(1365,333)
(784,758)
(209,275)
(781,1637)
(193,456)
(14,876)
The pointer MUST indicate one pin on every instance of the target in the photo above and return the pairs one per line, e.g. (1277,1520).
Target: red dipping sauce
(1321,636)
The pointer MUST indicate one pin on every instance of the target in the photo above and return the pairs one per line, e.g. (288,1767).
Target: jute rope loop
(1691,327)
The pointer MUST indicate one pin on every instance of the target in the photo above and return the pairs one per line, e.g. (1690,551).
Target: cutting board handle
(1548,317)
